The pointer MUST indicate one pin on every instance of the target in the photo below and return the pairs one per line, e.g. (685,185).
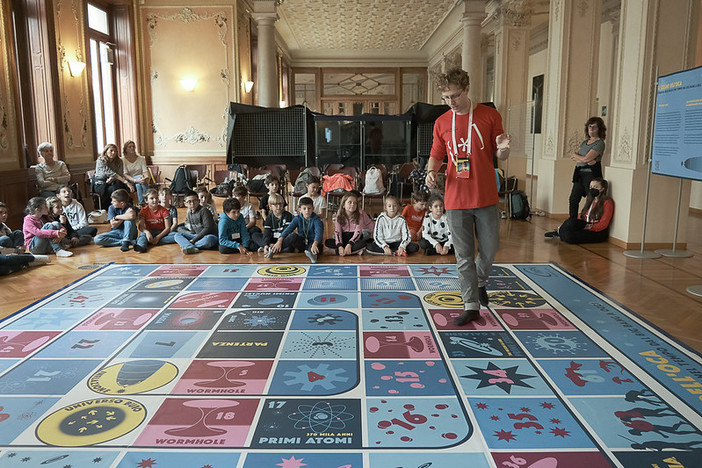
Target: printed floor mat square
(330,366)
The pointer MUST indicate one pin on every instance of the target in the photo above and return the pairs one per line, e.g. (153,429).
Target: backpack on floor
(518,205)
(181,180)
(374,181)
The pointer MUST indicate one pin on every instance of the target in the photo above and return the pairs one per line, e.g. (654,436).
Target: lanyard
(592,205)
(469,148)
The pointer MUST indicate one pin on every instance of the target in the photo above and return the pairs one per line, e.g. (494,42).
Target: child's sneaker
(311,256)
(269,254)
(63,253)
(191,250)
(261,250)
(138,248)
(400,254)
(125,246)
(361,252)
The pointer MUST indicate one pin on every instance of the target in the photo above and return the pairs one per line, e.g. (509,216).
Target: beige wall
(189,42)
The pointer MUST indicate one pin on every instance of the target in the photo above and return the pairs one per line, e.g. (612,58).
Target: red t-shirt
(480,190)
(414,218)
(154,220)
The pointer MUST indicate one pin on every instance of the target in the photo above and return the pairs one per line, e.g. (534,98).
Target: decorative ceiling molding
(318,25)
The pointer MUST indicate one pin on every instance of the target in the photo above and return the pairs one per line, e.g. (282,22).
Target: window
(101,61)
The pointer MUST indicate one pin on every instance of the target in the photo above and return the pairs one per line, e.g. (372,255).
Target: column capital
(513,13)
(265,11)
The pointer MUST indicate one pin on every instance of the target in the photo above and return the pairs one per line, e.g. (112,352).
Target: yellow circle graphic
(450,299)
(131,377)
(281,270)
(91,422)
(516,299)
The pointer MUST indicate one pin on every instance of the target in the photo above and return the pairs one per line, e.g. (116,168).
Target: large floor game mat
(340,366)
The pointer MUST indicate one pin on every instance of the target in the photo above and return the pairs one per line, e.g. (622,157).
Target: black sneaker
(551,234)
(138,248)
(466,317)
(125,246)
(483,296)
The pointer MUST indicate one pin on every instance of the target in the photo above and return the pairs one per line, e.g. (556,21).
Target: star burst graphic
(493,375)
(435,271)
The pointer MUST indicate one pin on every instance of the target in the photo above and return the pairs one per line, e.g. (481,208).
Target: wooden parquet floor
(653,288)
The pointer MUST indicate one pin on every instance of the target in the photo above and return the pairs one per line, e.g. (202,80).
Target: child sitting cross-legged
(275,223)
(75,212)
(309,236)
(202,232)
(73,238)
(233,234)
(415,212)
(41,237)
(391,235)
(348,227)
(122,217)
(436,236)
(165,199)
(154,224)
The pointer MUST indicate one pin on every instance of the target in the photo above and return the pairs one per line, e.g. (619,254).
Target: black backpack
(519,205)
(181,180)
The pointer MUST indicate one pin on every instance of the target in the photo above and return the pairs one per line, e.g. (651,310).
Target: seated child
(318,200)
(206,201)
(154,223)
(274,224)
(165,199)
(203,230)
(75,212)
(40,237)
(241,193)
(122,217)
(273,185)
(233,235)
(11,240)
(415,212)
(435,231)
(72,239)
(391,235)
(348,227)
(309,236)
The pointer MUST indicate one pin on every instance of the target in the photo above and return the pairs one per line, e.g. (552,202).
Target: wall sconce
(248,86)
(75,67)
(188,84)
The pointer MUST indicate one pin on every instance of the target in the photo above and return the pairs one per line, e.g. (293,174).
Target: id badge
(463,168)
(236,236)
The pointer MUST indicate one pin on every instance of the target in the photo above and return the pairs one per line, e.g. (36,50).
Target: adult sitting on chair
(109,174)
(135,170)
(593,223)
(50,173)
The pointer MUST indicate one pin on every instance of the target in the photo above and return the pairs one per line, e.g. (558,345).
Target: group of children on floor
(57,224)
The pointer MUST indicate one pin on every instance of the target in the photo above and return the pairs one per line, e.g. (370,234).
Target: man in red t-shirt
(471,189)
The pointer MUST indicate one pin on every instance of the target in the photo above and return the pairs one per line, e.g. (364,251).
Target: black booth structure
(296,136)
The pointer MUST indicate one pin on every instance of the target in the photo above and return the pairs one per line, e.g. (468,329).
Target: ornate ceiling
(360,25)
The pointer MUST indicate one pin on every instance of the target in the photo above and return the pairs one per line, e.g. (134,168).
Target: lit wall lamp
(188,84)
(75,67)
(248,86)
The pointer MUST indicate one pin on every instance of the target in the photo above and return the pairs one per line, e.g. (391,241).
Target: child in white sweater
(436,236)
(391,233)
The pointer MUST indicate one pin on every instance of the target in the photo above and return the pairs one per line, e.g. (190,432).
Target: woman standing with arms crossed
(588,162)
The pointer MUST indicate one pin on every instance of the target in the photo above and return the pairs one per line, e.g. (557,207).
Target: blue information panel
(677,135)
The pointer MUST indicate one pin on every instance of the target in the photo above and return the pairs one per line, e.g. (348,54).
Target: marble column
(570,95)
(472,19)
(652,34)
(266,72)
